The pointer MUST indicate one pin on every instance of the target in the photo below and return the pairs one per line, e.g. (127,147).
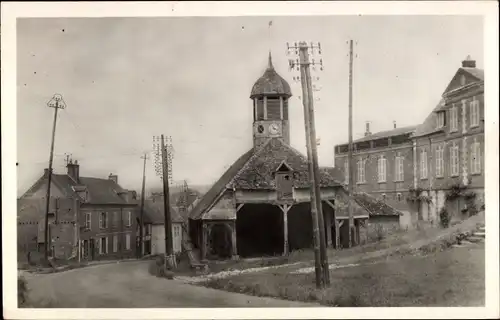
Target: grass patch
(408,281)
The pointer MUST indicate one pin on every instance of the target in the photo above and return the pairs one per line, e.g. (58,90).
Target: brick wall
(116,229)
(390,188)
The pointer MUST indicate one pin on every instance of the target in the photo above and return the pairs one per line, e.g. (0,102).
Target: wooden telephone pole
(349,157)
(321,259)
(143,195)
(57,103)
(165,154)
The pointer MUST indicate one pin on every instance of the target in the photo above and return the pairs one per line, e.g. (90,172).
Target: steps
(477,237)
(187,247)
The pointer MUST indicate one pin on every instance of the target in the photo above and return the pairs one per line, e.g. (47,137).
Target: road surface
(129,285)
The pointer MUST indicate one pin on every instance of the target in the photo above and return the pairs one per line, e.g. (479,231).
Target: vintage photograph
(250,161)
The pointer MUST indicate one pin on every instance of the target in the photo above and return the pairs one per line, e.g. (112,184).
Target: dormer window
(284,182)
(441,119)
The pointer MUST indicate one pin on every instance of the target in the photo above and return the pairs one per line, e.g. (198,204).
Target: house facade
(103,213)
(449,148)
(154,227)
(382,166)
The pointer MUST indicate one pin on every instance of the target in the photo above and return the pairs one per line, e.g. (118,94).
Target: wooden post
(328,225)
(351,169)
(337,233)
(169,250)
(204,241)
(314,210)
(234,252)
(143,195)
(285,208)
(316,174)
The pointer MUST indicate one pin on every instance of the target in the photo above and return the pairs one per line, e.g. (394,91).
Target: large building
(449,148)
(428,161)
(382,165)
(261,204)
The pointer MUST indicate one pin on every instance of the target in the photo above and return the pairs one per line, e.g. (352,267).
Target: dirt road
(129,285)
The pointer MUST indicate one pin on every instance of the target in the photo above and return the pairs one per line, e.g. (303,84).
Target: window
(115,243)
(423,164)
(399,168)
(346,171)
(382,165)
(474,112)
(453,119)
(454,161)
(441,119)
(103,245)
(361,171)
(475,158)
(127,241)
(129,219)
(439,161)
(88,216)
(176,231)
(103,220)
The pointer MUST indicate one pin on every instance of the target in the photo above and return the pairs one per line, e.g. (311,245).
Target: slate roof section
(374,206)
(257,173)
(154,213)
(254,171)
(387,133)
(219,186)
(475,72)
(100,191)
(270,83)
(429,125)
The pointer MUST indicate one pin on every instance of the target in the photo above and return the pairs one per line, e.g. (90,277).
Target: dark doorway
(259,230)
(344,234)
(300,230)
(220,241)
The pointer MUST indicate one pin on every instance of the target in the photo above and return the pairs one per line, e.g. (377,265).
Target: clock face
(274,128)
(260,128)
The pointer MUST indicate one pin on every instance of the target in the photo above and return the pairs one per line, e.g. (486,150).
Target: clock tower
(270,96)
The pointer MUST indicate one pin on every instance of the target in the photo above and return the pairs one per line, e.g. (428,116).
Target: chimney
(394,122)
(74,170)
(367,132)
(468,63)
(113,177)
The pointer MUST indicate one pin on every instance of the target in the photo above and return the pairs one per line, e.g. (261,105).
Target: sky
(125,80)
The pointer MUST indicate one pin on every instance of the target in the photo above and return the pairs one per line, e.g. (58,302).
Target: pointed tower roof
(270,83)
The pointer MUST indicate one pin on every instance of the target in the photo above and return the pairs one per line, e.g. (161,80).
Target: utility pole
(166,157)
(57,103)
(314,143)
(143,195)
(303,64)
(349,157)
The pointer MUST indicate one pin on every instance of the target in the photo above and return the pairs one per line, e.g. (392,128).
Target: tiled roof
(254,171)
(270,83)
(154,213)
(374,206)
(219,185)
(258,172)
(387,134)
(475,72)
(429,124)
(100,191)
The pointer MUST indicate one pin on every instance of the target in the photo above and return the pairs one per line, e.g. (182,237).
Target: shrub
(444,218)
